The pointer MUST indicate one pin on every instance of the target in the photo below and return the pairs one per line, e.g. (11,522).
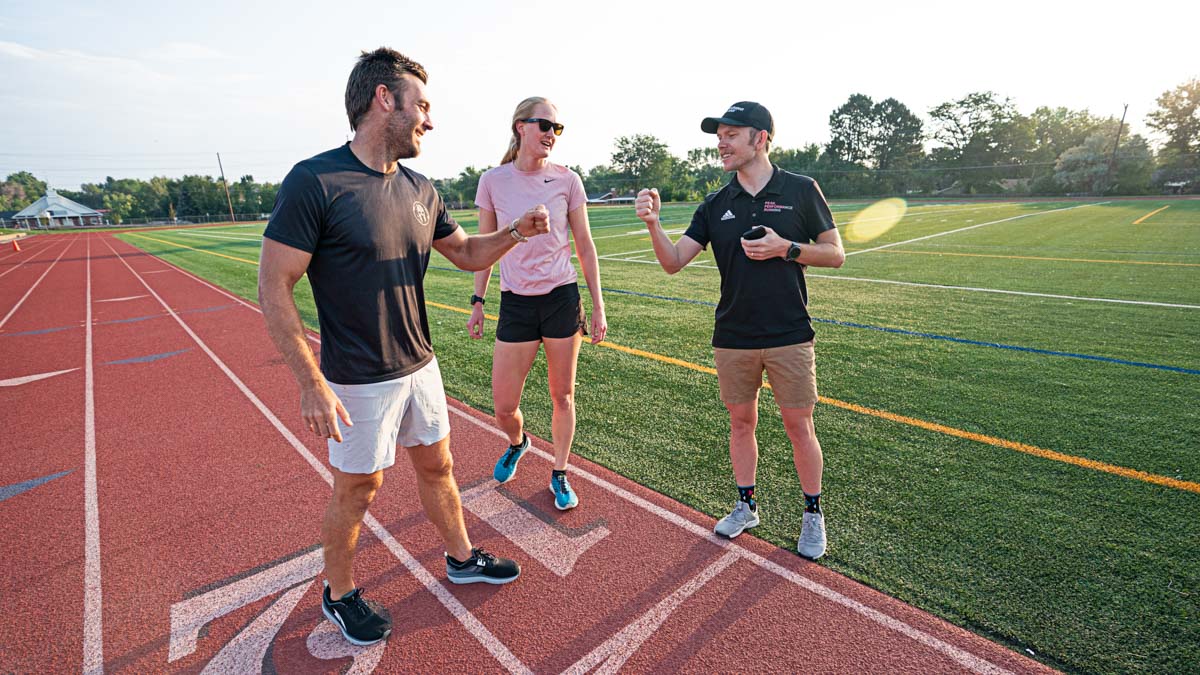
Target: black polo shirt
(369,234)
(763,302)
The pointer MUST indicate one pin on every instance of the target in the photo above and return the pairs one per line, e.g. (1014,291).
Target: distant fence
(144,222)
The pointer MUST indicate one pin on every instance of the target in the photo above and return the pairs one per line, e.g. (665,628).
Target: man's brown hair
(384,66)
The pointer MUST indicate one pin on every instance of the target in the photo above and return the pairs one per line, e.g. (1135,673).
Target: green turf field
(1055,510)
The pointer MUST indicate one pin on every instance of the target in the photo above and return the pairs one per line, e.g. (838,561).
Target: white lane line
(128,297)
(18,381)
(969,289)
(93,615)
(960,656)
(972,227)
(972,289)
(613,654)
(448,600)
(35,285)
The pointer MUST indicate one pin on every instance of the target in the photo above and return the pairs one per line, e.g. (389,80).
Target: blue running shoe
(564,496)
(506,468)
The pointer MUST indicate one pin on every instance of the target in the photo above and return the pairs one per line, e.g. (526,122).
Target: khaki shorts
(791,370)
(409,410)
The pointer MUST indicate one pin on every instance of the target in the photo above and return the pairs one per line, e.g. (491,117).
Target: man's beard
(400,143)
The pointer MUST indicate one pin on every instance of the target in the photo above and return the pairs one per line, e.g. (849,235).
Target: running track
(160,508)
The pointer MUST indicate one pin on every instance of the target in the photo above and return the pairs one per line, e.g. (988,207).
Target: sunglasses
(546,125)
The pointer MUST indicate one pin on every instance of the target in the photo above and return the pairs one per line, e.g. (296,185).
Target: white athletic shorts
(410,410)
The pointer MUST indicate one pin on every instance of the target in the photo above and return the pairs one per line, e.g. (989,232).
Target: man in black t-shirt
(362,226)
(765,226)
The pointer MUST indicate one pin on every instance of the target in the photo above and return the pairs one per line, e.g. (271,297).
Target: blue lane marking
(135,319)
(147,359)
(39,332)
(931,336)
(15,489)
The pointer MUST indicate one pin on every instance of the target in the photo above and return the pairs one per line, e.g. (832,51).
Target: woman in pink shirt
(539,296)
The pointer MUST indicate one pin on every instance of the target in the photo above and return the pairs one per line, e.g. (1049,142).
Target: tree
(1178,118)
(644,161)
(119,204)
(19,190)
(971,119)
(1086,167)
(896,135)
(851,130)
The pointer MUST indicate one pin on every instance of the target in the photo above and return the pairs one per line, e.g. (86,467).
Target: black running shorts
(529,318)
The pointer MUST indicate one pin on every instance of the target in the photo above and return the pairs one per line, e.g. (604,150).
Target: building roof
(57,205)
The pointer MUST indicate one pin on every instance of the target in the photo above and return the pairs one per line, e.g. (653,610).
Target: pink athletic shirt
(543,263)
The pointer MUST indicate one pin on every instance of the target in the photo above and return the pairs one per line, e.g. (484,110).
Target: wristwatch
(793,252)
(516,234)
(475,299)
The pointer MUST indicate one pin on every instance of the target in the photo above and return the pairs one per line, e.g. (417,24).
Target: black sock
(812,503)
(746,494)
(555,473)
(524,442)
(459,563)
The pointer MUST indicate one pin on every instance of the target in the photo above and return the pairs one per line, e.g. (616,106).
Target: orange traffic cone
(16,247)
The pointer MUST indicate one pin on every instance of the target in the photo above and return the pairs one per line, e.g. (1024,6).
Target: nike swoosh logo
(547,180)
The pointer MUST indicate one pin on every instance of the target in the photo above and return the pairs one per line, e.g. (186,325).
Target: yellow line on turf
(172,243)
(1139,220)
(922,424)
(1030,257)
(883,414)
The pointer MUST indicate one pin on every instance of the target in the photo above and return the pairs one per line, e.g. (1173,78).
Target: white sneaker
(812,536)
(742,518)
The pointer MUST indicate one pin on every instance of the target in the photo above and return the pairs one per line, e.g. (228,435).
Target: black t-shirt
(369,234)
(763,302)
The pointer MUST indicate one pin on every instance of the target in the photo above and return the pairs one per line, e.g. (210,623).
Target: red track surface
(209,497)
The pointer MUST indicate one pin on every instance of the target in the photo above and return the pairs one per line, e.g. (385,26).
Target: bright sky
(138,89)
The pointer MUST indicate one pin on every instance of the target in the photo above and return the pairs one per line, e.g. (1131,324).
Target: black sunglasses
(546,125)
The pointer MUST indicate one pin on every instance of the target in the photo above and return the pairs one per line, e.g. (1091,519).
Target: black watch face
(793,251)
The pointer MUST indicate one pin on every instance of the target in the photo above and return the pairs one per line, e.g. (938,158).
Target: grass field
(1023,463)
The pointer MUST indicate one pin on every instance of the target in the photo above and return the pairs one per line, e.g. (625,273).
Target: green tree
(971,119)
(852,130)
(644,161)
(119,205)
(896,135)
(1093,168)
(1178,118)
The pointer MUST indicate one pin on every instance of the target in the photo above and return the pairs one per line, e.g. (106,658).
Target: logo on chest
(772,207)
(420,213)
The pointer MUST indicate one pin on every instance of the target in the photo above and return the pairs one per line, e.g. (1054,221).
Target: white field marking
(18,381)
(451,603)
(960,656)
(190,616)
(35,285)
(555,550)
(93,597)
(251,644)
(326,643)
(972,289)
(640,231)
(128,297)
(972,227)
(156,271)
(217,236)
(613,654)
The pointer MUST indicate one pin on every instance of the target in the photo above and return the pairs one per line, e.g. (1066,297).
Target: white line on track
(35,285)
(448,600)
(960,656)
(18,381)
(93,615)
(18,265)
(972,227)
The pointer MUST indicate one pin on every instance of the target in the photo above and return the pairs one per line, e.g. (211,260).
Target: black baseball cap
(742,114)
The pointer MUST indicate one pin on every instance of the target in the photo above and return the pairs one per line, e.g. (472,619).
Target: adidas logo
(728,215)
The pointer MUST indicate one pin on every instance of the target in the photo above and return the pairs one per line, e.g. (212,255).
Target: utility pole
(233,218)
(1112,156)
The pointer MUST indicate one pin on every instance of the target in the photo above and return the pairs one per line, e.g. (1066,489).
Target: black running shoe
(362,622)
(482,567)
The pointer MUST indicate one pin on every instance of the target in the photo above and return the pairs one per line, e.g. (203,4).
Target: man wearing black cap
(765,226)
